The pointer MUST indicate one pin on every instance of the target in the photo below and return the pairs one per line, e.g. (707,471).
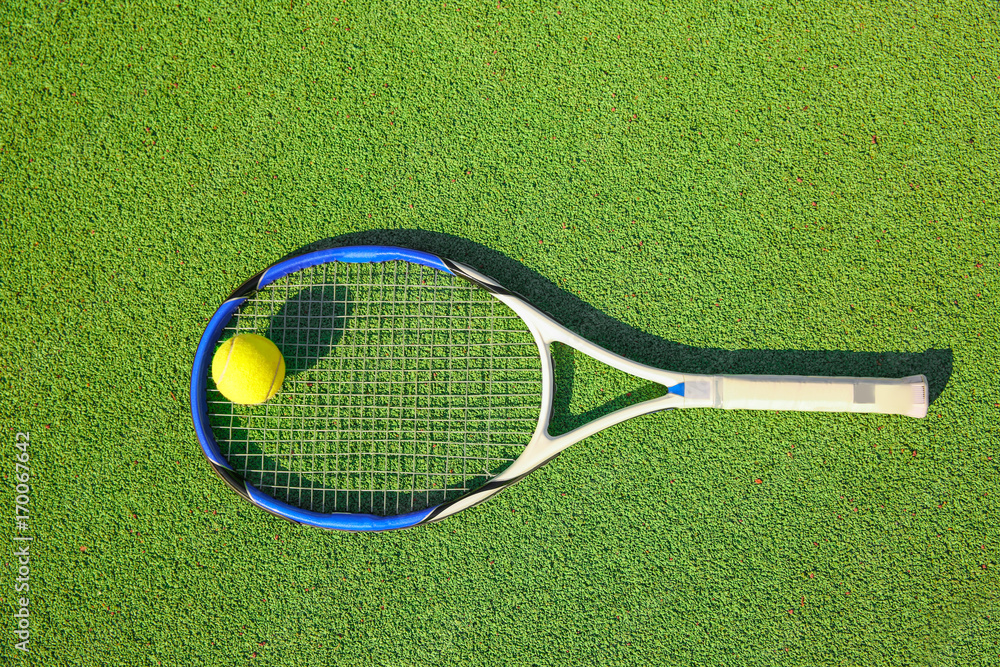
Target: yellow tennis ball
(248,369)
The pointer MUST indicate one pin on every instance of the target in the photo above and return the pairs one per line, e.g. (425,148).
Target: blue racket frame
(199,388)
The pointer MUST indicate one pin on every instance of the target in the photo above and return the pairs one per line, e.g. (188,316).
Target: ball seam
(277,367)
(232,344)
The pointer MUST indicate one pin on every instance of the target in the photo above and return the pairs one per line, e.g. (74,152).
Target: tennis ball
(248,369)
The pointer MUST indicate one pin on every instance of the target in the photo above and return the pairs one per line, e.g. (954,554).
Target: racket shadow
(641,346)
(309,325)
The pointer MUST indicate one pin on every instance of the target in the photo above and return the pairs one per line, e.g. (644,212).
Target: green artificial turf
(724,187)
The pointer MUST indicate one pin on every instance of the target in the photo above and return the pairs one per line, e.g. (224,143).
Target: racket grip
(903,396)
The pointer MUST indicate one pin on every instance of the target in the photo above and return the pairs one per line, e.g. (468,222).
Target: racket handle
(903,396)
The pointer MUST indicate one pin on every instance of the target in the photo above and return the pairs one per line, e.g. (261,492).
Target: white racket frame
(902,396)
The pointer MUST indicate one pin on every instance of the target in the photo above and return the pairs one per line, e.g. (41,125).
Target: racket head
(285,503)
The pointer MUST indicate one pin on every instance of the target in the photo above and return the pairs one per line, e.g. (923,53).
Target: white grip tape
(904,396)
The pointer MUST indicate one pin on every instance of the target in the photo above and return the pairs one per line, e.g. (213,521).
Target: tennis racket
(417,387)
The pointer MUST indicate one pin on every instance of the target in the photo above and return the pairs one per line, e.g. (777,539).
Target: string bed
(405,387)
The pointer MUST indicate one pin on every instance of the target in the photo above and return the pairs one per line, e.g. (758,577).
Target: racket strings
(405,387)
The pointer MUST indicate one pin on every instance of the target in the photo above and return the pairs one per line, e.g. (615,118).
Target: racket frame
(907,396)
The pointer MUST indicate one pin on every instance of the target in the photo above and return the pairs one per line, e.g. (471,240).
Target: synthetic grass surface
(711,187)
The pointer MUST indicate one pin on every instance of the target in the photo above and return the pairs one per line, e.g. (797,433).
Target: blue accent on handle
(355,254)
(677,389)
(338,520)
